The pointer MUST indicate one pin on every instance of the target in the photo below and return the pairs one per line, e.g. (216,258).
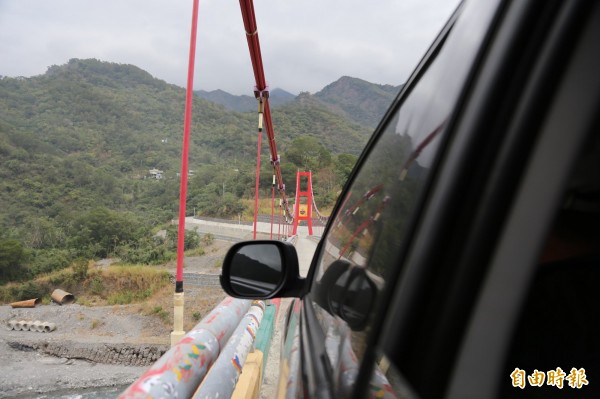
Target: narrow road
(305,247)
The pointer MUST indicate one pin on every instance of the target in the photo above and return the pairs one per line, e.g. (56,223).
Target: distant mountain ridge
(358,100)
(355,99)
(244,103)
(94,129)
(122,110)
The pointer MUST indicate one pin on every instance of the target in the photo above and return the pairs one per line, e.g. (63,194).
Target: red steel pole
(257,179)
(185,152)
(272,206)
(178,302)
(279,221)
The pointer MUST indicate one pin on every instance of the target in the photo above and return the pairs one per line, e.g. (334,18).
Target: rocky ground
(91,346)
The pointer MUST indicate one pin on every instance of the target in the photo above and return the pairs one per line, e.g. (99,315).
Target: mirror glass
(256,269)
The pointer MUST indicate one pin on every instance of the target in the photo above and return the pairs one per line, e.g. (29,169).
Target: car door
(421,273)
(329,330)
(529,106)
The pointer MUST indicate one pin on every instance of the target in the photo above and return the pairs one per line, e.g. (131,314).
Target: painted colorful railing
(209,359)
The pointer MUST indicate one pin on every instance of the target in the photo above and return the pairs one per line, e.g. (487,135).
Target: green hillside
(116,113)
(309,116)
(77,146)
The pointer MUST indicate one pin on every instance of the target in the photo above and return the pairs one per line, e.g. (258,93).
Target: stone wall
(122,354)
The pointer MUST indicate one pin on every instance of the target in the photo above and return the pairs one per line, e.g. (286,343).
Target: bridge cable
(261,92)
(322,218)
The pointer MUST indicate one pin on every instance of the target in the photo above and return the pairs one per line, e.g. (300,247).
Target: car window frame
(466,363)
(317,382)
(423,67)
(471,120)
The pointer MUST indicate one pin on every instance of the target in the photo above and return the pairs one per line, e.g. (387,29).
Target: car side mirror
(262,269)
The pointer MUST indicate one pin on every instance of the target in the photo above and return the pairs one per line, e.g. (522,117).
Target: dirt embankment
(93,346)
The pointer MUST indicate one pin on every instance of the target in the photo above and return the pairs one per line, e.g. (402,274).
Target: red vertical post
(303,211)
(178,301)
(296,204)
(279,224)
(272,207)
(257,180)
(185,152)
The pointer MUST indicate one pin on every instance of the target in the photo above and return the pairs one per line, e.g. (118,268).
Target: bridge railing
(226,333)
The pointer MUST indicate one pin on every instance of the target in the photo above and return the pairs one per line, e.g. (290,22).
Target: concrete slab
(305,247)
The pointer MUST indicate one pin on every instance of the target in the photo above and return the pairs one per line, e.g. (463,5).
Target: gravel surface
(76,354)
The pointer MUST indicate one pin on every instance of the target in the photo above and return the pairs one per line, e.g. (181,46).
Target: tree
(12,258)
(191,239)
(212,200)
(306,153)
(99,232)
(344,163)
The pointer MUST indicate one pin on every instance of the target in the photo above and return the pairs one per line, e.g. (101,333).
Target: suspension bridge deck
(238,231)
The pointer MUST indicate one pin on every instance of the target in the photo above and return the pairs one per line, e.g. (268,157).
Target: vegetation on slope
(77,145)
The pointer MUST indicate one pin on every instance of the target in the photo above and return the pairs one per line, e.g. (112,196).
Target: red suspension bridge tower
(303,209)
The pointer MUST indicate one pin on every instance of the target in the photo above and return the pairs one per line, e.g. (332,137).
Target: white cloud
(305,44)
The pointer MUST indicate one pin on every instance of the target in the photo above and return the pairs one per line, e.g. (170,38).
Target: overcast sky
(306,44)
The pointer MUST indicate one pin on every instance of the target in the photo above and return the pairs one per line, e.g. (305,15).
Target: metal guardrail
(178,372)
(223,375)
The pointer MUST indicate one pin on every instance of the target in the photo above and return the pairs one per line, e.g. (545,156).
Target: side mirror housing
(262,269)
(348,291)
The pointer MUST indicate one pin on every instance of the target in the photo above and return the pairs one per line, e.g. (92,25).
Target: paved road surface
(241,231)
(305,247)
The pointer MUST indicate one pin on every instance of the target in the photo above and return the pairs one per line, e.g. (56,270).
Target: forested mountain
(307,114)
(77,146)
(354,99)
(245,103)
(359,100)
(120,117)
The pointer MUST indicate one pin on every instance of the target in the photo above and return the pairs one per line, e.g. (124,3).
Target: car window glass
(371,224)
